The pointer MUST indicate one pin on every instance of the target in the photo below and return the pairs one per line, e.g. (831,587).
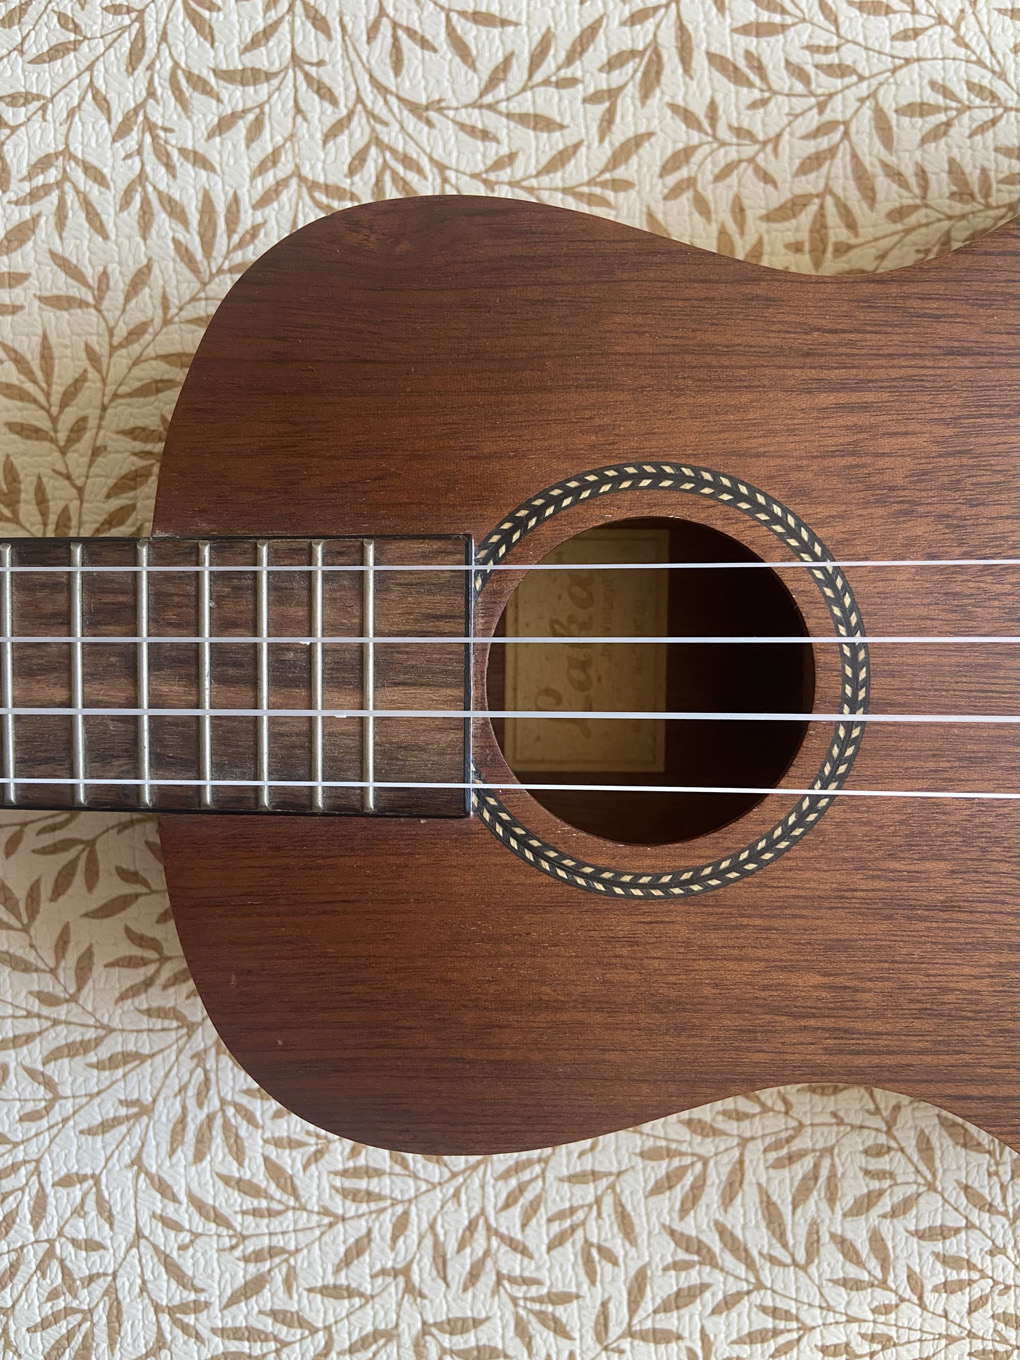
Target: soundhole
(578,601)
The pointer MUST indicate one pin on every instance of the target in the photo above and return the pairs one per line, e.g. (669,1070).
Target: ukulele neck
(233,675)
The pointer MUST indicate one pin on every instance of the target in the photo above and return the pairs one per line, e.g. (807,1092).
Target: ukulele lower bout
(426,366)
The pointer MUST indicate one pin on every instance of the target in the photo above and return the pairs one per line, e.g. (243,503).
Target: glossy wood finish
(424,366)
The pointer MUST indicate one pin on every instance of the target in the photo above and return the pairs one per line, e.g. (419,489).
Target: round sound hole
(649,756)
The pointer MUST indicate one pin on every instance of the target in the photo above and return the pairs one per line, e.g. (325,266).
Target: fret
(318,763)
(7,673)
(142,669)
(262,614)
(144,679)
(77,675)
(205,671)
(368,674)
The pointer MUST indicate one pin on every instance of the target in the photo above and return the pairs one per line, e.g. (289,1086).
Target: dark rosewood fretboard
(139,627)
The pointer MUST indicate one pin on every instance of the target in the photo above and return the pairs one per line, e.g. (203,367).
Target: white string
(483,568)
(464,713)
(515,784)
(566,638)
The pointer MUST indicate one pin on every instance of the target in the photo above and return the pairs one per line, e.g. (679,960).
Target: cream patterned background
(151,1201)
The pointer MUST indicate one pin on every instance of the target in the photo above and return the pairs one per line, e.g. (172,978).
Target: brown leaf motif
(153,1201)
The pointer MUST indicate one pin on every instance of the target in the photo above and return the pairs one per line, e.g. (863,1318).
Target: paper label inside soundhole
(581,602)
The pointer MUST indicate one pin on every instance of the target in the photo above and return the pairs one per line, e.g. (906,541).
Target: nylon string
(58,711)
(483,568)
(566,638)
(511,784)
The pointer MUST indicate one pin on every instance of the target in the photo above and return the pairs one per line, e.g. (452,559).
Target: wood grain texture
(424,366)
(231,755)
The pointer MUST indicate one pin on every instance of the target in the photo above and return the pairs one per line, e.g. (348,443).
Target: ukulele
(600,656)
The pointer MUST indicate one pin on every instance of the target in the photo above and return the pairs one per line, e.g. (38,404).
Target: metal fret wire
(77,676)
(144,733)
(262,609)
(7,672)
(205,671)
(317,626)
(368,675)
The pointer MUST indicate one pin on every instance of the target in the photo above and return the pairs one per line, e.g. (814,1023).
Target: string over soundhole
(635,677)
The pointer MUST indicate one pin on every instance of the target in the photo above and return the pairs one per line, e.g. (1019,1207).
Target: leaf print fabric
(152,1201)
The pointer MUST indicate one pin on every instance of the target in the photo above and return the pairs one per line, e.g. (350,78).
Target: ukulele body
(429,366)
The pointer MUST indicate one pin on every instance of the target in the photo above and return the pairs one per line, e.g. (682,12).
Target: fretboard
(233,675)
